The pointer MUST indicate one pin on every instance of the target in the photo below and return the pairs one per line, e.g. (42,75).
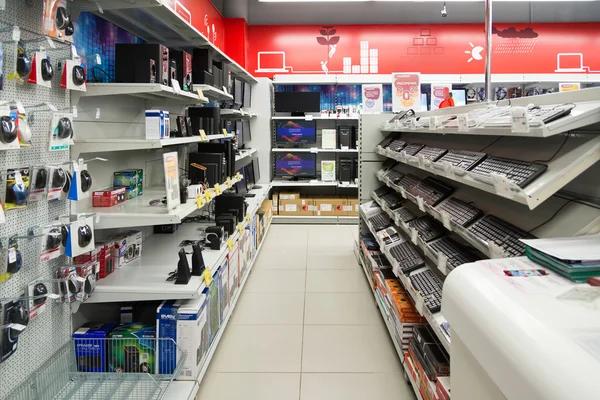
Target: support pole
(488,51)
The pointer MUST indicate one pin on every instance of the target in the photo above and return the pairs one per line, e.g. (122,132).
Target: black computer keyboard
(428,228)
(461,213)
(387,164)
(432,153)
(389,139)
(394,175)
(397,145)
(461,159)
(430,288)
(393,200)
(522,173)
(408,182)
(407,256)
(432,191)
(413,148)
(456,253)
(502,234)
(382,191)
(404,214)
(380,221)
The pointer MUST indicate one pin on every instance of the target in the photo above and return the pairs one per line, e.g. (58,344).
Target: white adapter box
(155,124)
(193,336)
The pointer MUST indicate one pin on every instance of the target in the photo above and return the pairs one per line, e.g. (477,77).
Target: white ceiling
(414,13)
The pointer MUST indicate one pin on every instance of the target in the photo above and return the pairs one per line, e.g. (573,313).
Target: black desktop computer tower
(141,63)
(230,203)
(345,169)
(202,67)
(225,148)
(206,118)
(354,168)
(346,136)
(213,162)
(227,221)
(183,68)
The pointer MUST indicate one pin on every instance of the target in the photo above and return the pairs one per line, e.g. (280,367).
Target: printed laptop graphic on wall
(271,61)
(569,62)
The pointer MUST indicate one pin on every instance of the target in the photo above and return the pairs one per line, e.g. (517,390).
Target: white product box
(328,170)
(328,138)
(167,124)
(234,272)
(193,336)
(155,124)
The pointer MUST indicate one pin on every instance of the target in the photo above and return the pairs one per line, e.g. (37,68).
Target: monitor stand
(298,114)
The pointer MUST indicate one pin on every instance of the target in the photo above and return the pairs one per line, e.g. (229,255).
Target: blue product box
(135,351)
(90,347)
(166,328)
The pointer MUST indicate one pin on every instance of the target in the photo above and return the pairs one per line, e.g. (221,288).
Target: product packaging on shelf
(127,248)
(17,189)
(157,124)
(81,182)
(223,290)
(108,197)
(91,346)
(296,207)
(81,237)
(61,131)
(136,355)
(5,111)
(132,180)
(234,272)
(193,335)
(51,244)
(166,328)
(39,184)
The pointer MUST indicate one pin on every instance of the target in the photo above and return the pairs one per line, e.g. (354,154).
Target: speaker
(202,60)
(141,57)
(345,169)
(183,61)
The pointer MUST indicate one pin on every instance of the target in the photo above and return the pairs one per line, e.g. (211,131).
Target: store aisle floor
(306,326)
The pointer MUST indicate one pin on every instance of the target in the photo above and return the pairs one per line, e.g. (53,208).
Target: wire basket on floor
(114,368)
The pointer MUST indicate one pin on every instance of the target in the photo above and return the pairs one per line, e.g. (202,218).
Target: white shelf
(579,153)
(229,113)
(98,145)
(244,154)
(313,150)
(151,91)
(145,278)
(138,211)
(316,117)
(213,93)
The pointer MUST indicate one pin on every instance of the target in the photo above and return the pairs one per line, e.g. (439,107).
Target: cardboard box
(133,355)
(352,207)
(166,328)
(289,196)
(267,208)
(330,206)
(192,335)
(275,203)
(90,346)
(299,207)
(108,197)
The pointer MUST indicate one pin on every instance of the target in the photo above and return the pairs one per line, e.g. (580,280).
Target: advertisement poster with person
(406,91)
(372,96)
(441,94)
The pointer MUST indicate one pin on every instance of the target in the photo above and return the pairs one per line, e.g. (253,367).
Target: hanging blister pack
(61,131)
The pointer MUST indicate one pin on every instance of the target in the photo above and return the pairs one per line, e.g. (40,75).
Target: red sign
(428,49)
(203,16)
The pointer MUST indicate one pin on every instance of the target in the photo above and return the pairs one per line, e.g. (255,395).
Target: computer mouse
(20,193)
(58,178)
(67,184)
(41,179)
(18,314)
(53,239)
(70,29)
(61,19)
(78,75)
(47,70)
(65,128)
(84,235)
(24,130)
(14,266)
(64,235)
(23,63)
(39,290)
(8,130)
(86,180)
(90,284)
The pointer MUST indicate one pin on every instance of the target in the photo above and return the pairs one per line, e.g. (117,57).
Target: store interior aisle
(306,326)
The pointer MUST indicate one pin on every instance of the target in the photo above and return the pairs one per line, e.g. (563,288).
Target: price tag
(217,189)
(98,59)
(442,263)
(421,203)
(463,123)
(446,220)
(413,235)
(97,113)
(53,296)
(519,119)
(403,156)
(176,87)
(208,195)
(200,201)
(200,94)
(419,304)
(17,327)
(16,33)
(502,185)
(207,276)
(203,134)
(248,218)
(314,149)
(412,124)
(448,169)
(97,221)
(230,244)
(240,228)
(495,251)
(239,176)
(308,117)
(228,183)
(225,133)
(12,255)
(74,111)
(435,123)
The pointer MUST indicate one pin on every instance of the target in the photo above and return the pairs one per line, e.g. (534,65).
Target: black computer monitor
(241,187)
(295,164)
(238,93)
(249,175)
(246,133)
(298,102)
(226,147)
(256,170)
(247,95)
(296,131)
(213,162)
(239,133)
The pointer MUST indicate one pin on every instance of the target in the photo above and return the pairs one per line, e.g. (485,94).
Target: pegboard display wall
(52,329)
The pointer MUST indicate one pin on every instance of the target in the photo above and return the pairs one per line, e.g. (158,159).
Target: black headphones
(17,314)
(15,266)
(23,63)
(78,75)
(8,128)
(41,179)
(39,290)
(53,239)
(85,235)
(65,128)
(86,180)
(47,70)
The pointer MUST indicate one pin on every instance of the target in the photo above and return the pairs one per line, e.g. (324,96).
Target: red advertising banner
(428,49)
(203,16)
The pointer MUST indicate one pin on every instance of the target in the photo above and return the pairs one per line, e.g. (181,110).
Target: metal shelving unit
(313,150)
(148,91)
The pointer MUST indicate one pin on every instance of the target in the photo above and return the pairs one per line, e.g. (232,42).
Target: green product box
(132,348)
(128,177)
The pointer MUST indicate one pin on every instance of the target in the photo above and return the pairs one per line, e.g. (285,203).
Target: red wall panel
(236,39)
(203,16)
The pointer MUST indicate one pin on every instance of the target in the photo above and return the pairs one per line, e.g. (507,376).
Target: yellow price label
(225,133)
(240,228)
(207,277)
(248,218)
(230,244)
(217,189)
(199,201)
(208,195)
(203,134)
(228,183)
(239,176)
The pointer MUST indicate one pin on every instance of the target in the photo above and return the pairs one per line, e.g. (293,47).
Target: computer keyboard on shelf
(461,159)
(537,116)
(431,153)
(408,182)
(393,200)
(404,214)
(427,228)
(522,173)
(397,145)
(407,257)
(390,235)
(388,164)
(412,148)
(389,139)
(381,191)
(432,191)
(456,253)
(430,288)
(394,175)
(380,221)
(461,213)
(502,234)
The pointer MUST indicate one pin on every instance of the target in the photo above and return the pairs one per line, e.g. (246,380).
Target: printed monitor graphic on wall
(271,61)
(569,62)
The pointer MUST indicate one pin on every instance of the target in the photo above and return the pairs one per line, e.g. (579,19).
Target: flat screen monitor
(256,170)
(298,102)
(241,186)
(238,93)
(249,175)
(247,135)
(459,96)
(424,102)
(239,133)
(247,95)
(296,132)
(292,164)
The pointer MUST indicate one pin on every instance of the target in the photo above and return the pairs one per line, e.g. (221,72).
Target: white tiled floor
(306,326)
